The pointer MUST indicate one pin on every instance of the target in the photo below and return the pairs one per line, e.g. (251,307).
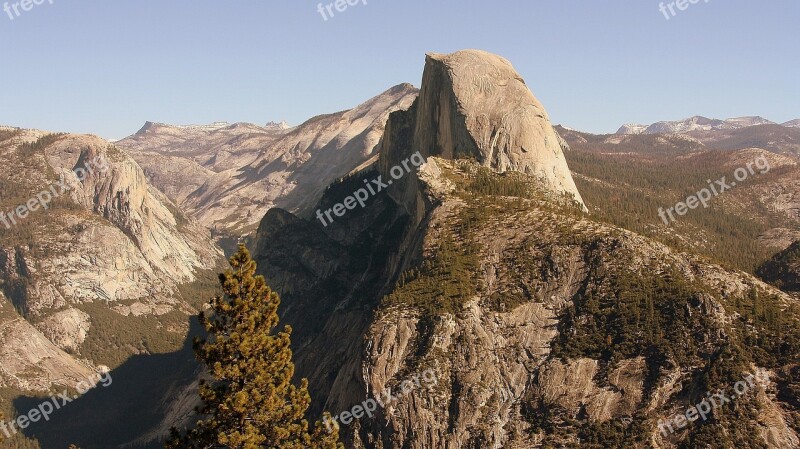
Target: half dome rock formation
(544,326)
(473,103)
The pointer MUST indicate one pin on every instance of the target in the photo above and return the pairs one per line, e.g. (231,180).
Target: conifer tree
(250,401)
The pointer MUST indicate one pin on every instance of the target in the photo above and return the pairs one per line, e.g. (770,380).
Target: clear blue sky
(105,67)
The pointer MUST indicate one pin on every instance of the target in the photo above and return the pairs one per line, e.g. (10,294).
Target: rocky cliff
(95,271)
(474,104)
(544,327)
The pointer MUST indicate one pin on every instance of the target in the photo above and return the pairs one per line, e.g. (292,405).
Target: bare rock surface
(229,176)
(473,103)
(29,361)
(110,247)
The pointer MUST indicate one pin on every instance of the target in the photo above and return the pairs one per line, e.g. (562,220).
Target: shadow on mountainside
(135,403)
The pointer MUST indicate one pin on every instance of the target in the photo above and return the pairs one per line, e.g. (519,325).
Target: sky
(106,67)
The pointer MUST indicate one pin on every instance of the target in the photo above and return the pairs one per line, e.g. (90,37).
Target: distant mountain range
(700,123)
(229,175)
(793,123)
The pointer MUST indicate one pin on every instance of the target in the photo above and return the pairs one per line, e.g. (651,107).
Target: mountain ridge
(695,123)
(470,270)
(221,176)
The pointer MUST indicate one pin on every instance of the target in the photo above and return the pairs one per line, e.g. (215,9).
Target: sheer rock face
(493,364)
(473,103)
(121,240)
(110,246)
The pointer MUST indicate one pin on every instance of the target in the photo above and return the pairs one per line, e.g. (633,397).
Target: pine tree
(250,401)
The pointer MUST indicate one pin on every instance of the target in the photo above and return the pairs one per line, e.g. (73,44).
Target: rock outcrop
(29,361)
(474,104)
(467,270)
(497,354)
(97,269)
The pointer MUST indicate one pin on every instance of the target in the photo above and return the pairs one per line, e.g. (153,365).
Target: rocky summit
(545,327)
(474,104)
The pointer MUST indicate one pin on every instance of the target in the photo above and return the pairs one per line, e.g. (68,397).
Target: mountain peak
(631,128)
(753,120)
(474,103)
(282,125)
(148,125)
(401,88)
(154,126)
(792,123)
(696,123)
